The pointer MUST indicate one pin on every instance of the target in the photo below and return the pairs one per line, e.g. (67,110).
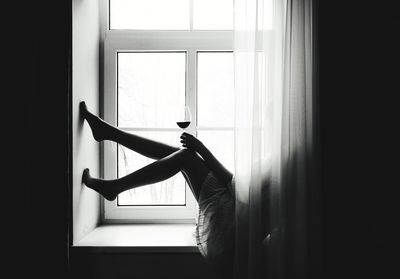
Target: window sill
(141,238)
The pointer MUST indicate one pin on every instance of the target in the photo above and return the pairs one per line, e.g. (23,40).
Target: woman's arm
(192,143)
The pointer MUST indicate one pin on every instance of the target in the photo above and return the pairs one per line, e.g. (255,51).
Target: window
(159,57)
(151,87)
(171,14)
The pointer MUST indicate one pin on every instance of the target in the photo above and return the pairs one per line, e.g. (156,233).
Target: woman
(211,184)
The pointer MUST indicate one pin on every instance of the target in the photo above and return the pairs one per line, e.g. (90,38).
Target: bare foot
(97,125)
(99,185)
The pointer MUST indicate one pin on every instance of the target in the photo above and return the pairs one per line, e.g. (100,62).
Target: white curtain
(277,210)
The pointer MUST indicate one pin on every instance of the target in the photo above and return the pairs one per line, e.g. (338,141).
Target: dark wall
(43,36)
(383,138)
(34,134)
(87,264)
(358,60)
(343,114)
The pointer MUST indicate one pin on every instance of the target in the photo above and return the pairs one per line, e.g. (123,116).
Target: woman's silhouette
(210,182)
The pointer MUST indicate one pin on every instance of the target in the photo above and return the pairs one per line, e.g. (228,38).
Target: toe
(85,175)
(83,109)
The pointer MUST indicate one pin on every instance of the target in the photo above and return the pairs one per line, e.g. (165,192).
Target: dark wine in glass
(184,118)
(183,124)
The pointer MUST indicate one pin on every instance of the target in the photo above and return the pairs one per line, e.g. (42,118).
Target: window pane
(151,88)
(150,14)
(213,14)
(265,14)
(220,143)
(215,89)
(167,192)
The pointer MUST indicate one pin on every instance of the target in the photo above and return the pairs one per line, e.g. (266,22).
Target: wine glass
(184,118)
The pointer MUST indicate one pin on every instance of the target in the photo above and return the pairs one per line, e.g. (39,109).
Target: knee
(186,156)
(186,153)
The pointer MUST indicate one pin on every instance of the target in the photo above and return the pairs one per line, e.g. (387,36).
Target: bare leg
(103,131)
(192,166)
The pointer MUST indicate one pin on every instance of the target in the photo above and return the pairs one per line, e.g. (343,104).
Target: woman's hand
(190,142)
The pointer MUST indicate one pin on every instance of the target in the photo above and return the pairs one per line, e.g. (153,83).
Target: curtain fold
(277,210)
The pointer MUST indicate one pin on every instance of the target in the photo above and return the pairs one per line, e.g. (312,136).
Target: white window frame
(115,41)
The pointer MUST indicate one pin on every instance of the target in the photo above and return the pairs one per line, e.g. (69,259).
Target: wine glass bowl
(184,118)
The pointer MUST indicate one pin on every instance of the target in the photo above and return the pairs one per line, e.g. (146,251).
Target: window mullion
(191,97)
(191,101)
(209,128)
(149,129)
(191,14)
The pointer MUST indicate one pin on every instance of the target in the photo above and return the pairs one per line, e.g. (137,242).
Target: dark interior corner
(358,57)
(358,67)
(384,61)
